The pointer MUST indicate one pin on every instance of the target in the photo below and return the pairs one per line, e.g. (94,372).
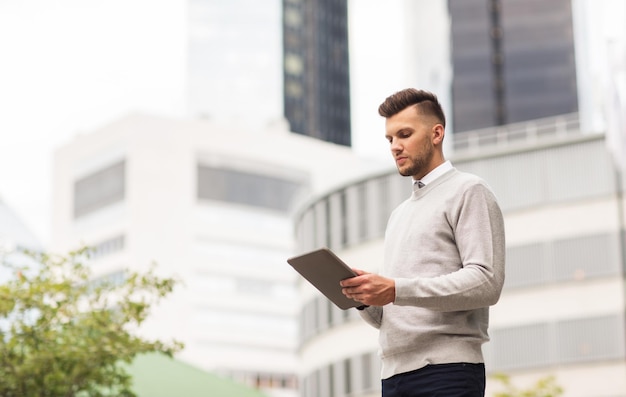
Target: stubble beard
(418,164)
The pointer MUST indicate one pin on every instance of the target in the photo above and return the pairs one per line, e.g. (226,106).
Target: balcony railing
(524,133)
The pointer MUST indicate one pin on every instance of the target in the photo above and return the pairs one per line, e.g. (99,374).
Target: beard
(418,164)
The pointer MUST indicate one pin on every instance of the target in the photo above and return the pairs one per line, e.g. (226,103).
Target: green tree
(64,334)
(544,387)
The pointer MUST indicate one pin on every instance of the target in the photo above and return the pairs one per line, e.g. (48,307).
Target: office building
(512,61)
(212,206)
(317,69)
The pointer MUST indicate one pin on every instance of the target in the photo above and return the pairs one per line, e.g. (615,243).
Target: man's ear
(438,133)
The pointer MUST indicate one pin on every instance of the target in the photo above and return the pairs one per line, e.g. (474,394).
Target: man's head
(415,128)
(427,103)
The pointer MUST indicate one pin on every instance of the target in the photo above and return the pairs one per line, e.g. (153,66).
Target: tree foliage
(544,387)
(64,334)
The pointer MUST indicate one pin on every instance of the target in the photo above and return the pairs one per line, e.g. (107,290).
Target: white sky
(72,65)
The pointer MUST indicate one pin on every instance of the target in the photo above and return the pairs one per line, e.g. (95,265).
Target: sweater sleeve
(372,315)
(478,228)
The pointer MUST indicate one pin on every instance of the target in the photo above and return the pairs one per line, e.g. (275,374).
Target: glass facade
(99,189)
(316,69)
(234,186)
(512,60)
(473,101)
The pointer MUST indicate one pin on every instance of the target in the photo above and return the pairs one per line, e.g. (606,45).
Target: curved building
(562,309)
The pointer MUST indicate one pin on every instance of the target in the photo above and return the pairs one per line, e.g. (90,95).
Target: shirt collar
(434,174)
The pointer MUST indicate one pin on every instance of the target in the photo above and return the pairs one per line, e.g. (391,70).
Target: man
(443,263)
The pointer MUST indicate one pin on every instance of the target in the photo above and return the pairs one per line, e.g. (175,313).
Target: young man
(443,263)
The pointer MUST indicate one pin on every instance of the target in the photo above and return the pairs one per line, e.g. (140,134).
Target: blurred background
(218,138)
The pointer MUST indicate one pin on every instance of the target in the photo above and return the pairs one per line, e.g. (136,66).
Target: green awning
(156,375)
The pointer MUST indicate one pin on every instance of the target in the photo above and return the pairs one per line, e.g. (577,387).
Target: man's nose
(396,146)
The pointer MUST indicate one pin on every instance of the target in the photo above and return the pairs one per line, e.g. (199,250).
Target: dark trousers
(440,380)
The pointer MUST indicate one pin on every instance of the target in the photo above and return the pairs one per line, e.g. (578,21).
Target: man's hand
(369,288)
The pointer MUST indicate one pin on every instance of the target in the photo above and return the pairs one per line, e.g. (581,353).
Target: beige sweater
(445,248)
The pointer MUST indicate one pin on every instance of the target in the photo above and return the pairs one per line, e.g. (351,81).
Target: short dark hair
(426,102)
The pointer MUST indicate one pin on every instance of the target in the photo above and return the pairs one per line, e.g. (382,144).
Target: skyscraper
(316,69)
(512,61)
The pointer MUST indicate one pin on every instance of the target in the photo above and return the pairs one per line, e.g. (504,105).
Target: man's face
(412,137)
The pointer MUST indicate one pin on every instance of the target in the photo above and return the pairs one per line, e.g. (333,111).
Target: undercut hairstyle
(426,102)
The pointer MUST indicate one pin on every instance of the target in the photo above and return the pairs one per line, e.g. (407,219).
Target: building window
(361,212)
(368,374)
(347,376)
(292,17)
(108,247)
(295,90)
(350,377)
(343,217)
(294,64)
(234,186)
(114,279)
(100,189)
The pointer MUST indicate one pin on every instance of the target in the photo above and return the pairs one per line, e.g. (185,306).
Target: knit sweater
(445,249)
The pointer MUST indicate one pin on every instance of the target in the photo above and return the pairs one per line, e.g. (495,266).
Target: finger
(349,282)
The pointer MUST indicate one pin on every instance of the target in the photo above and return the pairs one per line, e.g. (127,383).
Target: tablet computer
(324,270)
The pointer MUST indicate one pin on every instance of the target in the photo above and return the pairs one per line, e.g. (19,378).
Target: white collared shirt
(434,174)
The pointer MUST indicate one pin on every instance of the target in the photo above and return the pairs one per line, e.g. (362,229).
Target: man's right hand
(369,288)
